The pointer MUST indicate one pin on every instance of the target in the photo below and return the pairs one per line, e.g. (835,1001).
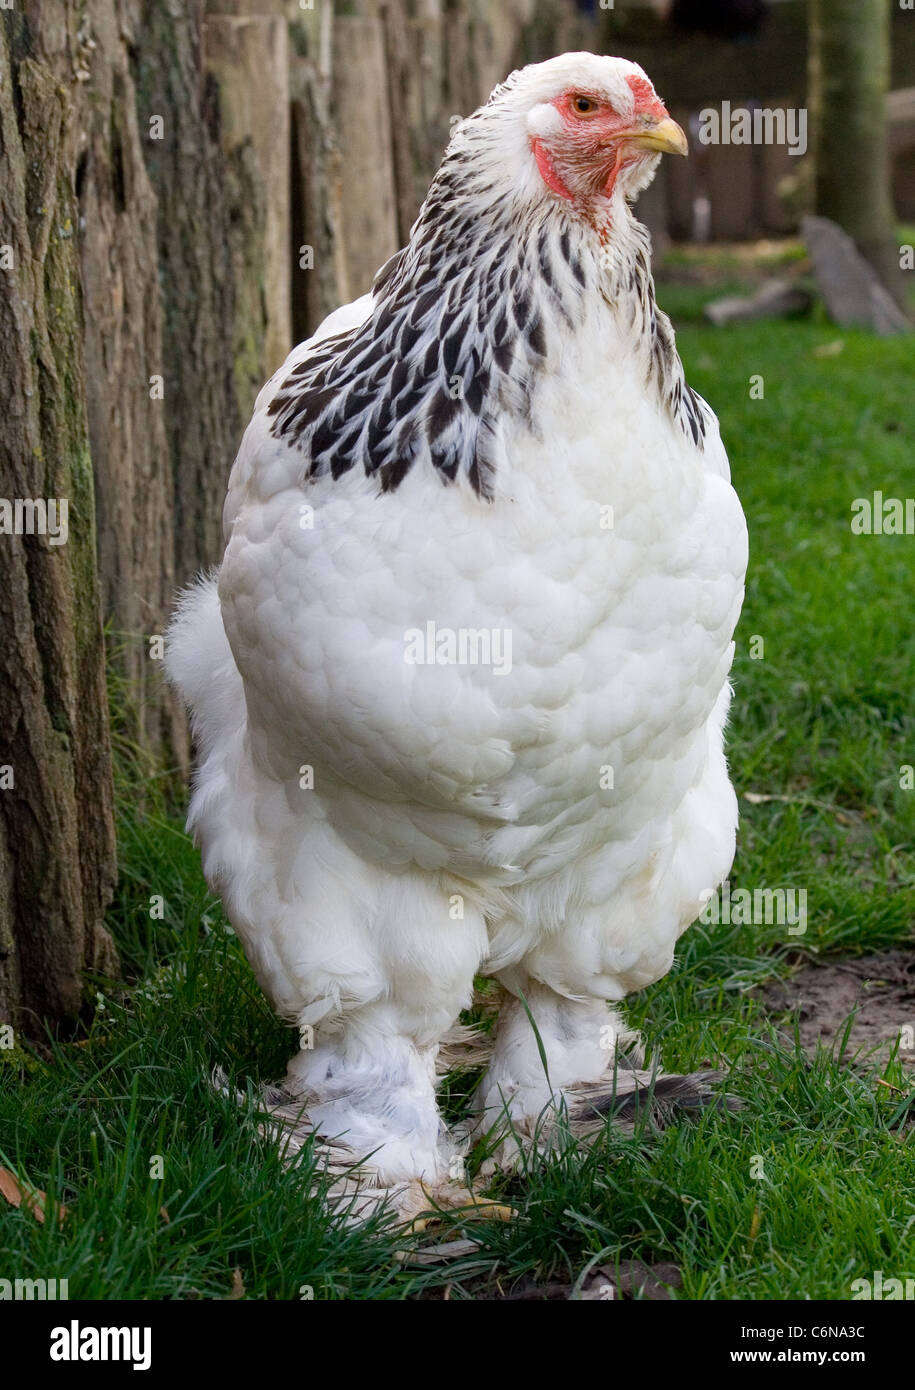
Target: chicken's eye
(584,106)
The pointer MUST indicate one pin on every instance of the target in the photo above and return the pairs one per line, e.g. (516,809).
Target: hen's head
(582,128)
(525,228)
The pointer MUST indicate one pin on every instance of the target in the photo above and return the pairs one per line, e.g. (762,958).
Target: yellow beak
(664,136)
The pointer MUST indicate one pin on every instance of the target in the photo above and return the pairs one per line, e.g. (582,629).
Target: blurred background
(186,188)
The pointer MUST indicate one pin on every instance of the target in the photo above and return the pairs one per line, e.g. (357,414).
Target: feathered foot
(582,1110)
(627,1094)
(355,1186)
(564,1067)
(463,1047)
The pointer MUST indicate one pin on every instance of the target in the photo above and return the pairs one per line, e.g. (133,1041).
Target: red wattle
(548,171)
(611,177)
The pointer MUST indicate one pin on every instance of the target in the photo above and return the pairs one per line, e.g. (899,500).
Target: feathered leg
(367,962)
(551,1052)
(373,1008)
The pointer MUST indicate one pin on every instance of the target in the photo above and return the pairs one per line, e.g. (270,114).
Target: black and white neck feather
(465,319)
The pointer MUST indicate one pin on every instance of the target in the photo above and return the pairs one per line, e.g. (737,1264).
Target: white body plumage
(380,828)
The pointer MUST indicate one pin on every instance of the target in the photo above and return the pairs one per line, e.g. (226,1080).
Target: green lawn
(822,725)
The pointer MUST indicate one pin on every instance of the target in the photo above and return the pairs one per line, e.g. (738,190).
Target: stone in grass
(850,287)
(775,299)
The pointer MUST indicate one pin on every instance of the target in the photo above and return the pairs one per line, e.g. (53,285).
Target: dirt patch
(881,987)
(605,1283)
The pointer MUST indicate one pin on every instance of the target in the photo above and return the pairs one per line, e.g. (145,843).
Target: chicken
(459,687)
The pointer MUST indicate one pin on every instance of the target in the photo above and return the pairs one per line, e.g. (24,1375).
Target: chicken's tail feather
(200,664)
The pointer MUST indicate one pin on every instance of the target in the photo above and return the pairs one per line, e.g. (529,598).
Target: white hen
(460,686)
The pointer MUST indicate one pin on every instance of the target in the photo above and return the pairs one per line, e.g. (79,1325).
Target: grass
(822,724)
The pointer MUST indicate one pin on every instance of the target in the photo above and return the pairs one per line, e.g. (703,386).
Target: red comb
(645,95)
